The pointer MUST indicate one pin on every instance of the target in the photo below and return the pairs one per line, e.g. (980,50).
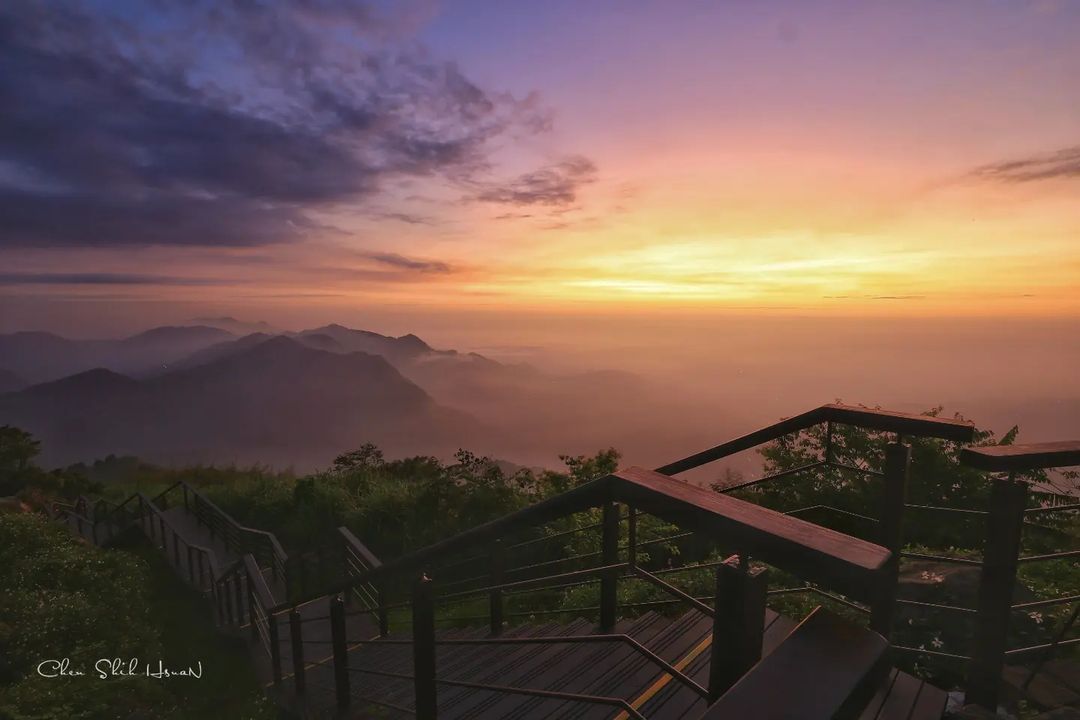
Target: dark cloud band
(116,132)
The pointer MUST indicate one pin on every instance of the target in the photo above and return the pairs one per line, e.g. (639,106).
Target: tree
(937,479)
(18,449)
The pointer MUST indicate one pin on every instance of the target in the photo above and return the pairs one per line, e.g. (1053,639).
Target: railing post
(186,506)
(424,648)
(738,623)
(631,538)
(1004,526)
(384,613)
(297,641)
(275,646)
(341,652)
(176,549)
(191,567)
(228,596)
(495,596)
(238,598)
(610,554)
(252,617)
(894,495)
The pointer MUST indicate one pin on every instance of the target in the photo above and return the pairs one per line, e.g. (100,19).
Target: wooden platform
(599,669)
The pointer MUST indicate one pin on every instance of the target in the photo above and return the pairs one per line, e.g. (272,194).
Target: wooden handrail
(869,418)
(211,557)
(1033,456)
(358,548)
(818,553)
(849,564)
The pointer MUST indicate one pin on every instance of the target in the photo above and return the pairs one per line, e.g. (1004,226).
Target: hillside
(40,357)
(279,402)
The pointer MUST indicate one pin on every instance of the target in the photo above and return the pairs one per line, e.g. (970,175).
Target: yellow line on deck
(664,679)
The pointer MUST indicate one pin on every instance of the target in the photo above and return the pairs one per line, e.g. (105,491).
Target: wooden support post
(186,505)
(384,613)
(275,647)
(297,641)
(610,555)
(738,623)
(176,549)
(227,598)
(191,567)
(631,538)
(424,648)
(341,652)
(890,519)
(238,598)
(495,596)
(252,616)
(1004,526)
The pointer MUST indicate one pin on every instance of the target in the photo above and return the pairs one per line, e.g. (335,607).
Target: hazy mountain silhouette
(10,382)
(200,394)
(277,402)
(394,349)
(237,327)
(40,357)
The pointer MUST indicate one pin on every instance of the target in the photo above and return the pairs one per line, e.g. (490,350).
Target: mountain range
(202,394)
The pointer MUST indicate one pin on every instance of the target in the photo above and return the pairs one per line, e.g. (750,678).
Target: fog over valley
(215,389)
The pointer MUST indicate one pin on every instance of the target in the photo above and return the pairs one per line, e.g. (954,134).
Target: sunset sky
(293,162)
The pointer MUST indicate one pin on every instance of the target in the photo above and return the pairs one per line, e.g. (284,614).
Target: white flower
(1036,616)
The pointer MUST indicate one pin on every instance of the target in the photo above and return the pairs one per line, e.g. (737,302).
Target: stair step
(826,666)
(514,666)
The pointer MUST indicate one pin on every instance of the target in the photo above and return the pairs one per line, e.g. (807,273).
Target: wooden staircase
(327,651)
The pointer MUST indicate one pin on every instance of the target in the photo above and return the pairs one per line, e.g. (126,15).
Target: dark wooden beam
(848,564)
(1034,456)
(872,419)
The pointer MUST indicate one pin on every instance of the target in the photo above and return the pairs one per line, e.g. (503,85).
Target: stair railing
(198,563)
(240,539)
(859,569)
(1002,558)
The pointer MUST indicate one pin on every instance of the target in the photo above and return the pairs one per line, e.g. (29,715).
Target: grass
(228,687)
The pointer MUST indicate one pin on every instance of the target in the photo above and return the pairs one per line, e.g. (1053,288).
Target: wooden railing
(199,564)
(832,562)
(845,563)
(1002,558)
(858,573)
(240,539)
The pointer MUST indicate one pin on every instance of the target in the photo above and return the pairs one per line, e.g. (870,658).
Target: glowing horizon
(916,160)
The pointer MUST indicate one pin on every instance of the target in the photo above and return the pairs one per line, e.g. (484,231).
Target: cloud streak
(103,279)
(407,263)
(556,185)
(1064,163)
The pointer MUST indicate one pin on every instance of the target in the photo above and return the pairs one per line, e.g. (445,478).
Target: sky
(478,162)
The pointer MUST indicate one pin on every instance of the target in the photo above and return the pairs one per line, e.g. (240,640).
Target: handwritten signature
(115,667)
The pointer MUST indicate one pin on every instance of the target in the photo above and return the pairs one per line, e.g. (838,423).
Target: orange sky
(874,159)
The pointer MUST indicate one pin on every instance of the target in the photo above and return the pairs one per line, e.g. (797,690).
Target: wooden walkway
(380,673)
(380,682)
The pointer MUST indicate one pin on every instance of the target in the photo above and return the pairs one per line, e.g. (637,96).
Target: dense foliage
(60,598)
